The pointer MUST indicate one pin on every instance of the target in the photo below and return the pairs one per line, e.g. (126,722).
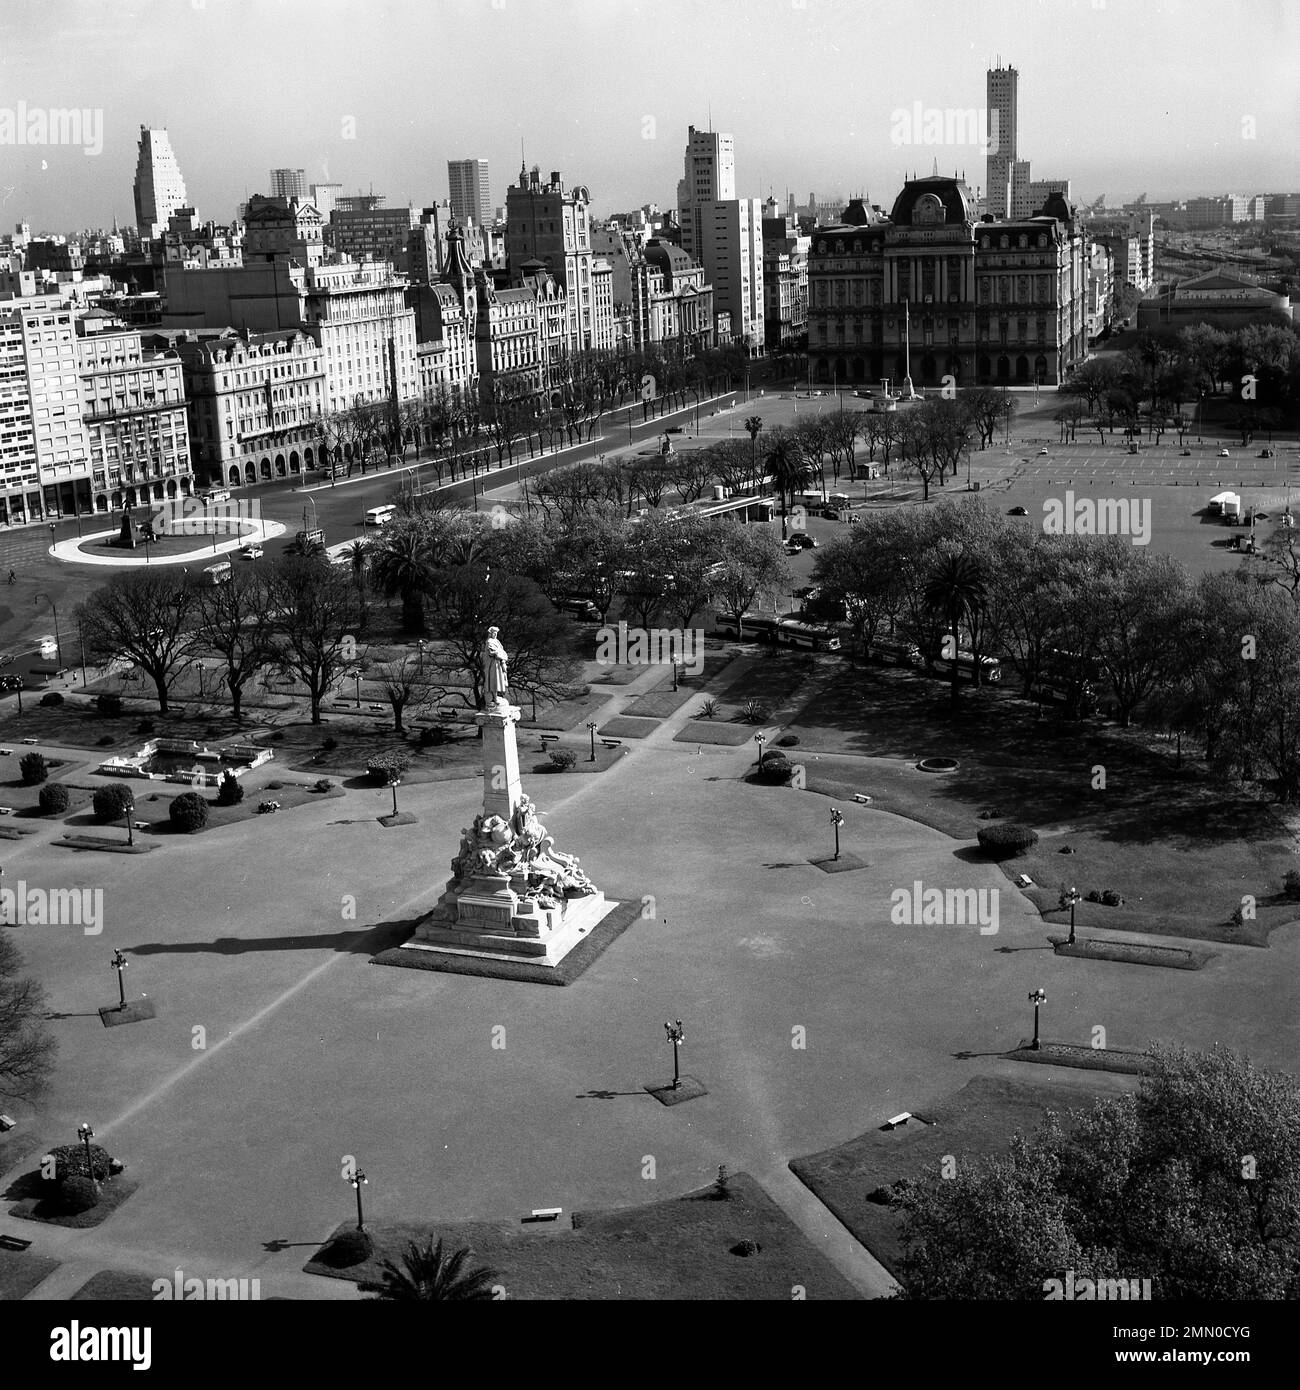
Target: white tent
(1224,497)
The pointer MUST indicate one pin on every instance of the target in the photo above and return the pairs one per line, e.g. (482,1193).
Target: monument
(512,894)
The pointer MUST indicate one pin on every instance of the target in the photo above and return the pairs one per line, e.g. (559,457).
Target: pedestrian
(12,576)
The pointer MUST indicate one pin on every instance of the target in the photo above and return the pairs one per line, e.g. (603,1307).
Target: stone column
(501,786)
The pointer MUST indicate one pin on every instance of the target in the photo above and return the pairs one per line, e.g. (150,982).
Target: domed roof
(858,214)
(935,199)
(1059,206)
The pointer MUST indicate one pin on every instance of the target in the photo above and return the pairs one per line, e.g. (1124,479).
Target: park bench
(7,1122)
(8,1242)
(544,1214)
(548,739)
(861,799)
(612,742)
(31,740)
(6,810)
(896,1120)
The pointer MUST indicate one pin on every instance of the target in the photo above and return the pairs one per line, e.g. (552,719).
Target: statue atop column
(495,674)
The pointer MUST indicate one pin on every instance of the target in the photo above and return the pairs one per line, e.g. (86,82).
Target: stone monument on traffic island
(512,895)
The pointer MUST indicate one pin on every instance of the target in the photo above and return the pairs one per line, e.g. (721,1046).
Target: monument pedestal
(512,895)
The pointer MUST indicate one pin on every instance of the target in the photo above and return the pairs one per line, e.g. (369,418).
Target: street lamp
(130,827)
(1037,998)
(674,661)
(119,963)
(1070,896)
(591,728)
(86,1134)
(395,783)
(676,1034)
(58,644)
(760,739)
(837,820)
(359,1180)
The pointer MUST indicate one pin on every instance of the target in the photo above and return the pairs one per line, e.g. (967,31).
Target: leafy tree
(957,590)
(1193,1183)
(315,618)
(429,1273)
(790,468)
(27,1048)
(752,563)
(234,621)
(145,615)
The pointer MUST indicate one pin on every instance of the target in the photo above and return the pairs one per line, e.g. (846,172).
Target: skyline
(227,83)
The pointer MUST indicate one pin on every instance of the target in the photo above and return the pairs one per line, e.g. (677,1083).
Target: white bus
(816,636)
(756,627)
(380,516)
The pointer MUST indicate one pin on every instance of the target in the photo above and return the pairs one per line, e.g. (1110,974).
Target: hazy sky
(1171,97)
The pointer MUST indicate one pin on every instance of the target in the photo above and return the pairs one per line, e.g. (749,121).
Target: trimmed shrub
(33,768)
(1092,896)
(1291,884)
(562,759)
(53,799)
(323,785)
(346,1249)
(330,744)
(230,791)
(746,1248)
(109,705)
(188,812)
(775,770)
(145,726)
(70,1162)
(113,801)
(387,767)
(1006,841)
(1111,898)
(79,1194)
(432,735)
(53,698)
(105,740)
(787,740)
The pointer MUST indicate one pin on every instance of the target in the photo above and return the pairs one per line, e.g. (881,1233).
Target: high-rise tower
(709,177)
(1001,107)
(159,188)
(471,199)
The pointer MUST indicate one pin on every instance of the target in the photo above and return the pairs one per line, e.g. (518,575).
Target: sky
(1174,98)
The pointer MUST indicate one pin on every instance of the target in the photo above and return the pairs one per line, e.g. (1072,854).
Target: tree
(789,467)
(860,568)
(403,684)
(957,590)
(754,424)
(144,615)
(356,555)
(315,617)
(429,1273)
(1194,1183)
(403,564)
(26,1047)
(234,621)
(752,563)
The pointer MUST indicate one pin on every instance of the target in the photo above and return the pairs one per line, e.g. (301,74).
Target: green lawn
(21,1271)
(978,1121)
(1178,847)
(680,1249)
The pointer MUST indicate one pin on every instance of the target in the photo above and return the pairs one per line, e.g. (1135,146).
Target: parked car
(1223,454)
(803,540)
(830,514)
(673,429)
(250,552)
(1041,452)
(1266,453)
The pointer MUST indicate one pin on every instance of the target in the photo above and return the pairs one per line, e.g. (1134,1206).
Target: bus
(755,627)
(990,667)
(381,516)
(815,636)
(220,573)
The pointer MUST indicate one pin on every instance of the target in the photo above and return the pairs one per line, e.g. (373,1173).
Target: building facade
(785,280)
(930,292)
(547,223)
(709,176)
(731,242)
(289,183)
(280,229)
(1002,101)
(1227,301)
(133,409)
(374,234)
(253,402)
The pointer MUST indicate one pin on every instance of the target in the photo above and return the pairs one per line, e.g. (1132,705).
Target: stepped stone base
(578,918)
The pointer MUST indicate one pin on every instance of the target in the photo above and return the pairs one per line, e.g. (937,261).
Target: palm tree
(789,468)
(754,425)
(956,590)
(355,554)
(428,1274)
(403,563)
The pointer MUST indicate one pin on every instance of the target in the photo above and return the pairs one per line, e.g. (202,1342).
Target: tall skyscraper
(288,183)
(471,199)
(159,188)
(1001,112)
(709,177)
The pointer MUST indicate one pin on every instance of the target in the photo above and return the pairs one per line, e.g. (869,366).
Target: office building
(289,183)
(159,188)
(470,196)
(709,176)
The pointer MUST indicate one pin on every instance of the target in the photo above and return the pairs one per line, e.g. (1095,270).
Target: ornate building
(982,302)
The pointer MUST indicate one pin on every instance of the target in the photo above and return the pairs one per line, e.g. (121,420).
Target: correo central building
(986,303)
